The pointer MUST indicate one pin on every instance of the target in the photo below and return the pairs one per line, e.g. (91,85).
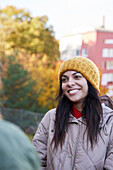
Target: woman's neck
(78,106)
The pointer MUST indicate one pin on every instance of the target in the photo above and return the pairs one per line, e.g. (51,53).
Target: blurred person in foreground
(78,134)
(0,116)
(16,150)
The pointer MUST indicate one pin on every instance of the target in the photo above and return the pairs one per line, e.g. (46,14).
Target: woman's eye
(77,77)
(64,79)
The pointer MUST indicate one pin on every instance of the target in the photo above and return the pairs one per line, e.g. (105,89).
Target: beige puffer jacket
(75,155)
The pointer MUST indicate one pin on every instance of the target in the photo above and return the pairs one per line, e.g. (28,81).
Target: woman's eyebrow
(63,76)
(75,73)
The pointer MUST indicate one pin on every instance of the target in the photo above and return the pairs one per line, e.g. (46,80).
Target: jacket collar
(72,119)
(107,113)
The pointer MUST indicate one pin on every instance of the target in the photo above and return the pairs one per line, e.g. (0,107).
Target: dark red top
(75,113)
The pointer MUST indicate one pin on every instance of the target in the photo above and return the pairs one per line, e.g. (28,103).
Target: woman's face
(75,87)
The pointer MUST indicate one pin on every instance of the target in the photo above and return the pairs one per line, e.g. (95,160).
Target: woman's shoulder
(51,112)
(46,123)
(50,115)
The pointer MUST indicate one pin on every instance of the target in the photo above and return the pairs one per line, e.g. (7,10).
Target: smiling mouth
(73,91)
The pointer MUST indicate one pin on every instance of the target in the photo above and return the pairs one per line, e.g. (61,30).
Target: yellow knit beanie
(84,66)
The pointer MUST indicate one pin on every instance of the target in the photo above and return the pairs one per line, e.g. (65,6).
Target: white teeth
(73,91)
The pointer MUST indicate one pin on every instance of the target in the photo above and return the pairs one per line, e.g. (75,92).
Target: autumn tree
(28,34)
(49,84)
(36,48)
(18,87)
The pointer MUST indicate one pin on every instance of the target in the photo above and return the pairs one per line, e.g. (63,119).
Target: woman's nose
(71,83)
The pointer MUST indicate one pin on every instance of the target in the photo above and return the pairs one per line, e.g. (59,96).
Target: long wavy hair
(92,113)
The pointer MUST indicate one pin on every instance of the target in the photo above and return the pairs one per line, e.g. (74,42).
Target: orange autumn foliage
(46,77)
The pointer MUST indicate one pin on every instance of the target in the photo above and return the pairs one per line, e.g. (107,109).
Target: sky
(68,16)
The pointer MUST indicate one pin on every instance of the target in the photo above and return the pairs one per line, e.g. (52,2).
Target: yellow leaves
(49,83)
(46,78)
(36,48)
(103,90)
(44,58)
(10,11)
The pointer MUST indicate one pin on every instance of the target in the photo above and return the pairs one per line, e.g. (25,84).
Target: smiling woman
(75,88)
(81,126)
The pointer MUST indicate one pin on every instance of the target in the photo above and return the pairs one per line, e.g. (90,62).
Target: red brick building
(97,45)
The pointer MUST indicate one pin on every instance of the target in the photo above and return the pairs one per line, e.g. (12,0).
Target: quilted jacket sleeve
(40,140)
(109,157)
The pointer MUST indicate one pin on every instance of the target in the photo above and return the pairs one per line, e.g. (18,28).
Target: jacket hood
(107,114)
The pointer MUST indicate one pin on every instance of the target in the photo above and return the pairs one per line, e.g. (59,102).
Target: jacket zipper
(76,147)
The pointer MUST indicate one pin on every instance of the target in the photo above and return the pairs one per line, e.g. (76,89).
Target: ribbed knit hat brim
(84,66)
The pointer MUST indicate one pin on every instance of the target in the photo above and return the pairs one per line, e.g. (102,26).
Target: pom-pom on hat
(84,66)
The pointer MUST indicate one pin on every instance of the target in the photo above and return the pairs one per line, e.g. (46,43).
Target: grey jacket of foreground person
(75,150)
(16,150)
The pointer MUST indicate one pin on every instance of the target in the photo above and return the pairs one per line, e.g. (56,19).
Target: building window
(109,65)
(106,78)
(107,52)
(103,65)
(84,52)
(77,52)
(108,41)
(110,91)
(111,52)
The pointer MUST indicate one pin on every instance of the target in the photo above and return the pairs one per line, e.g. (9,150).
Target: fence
(27,120)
